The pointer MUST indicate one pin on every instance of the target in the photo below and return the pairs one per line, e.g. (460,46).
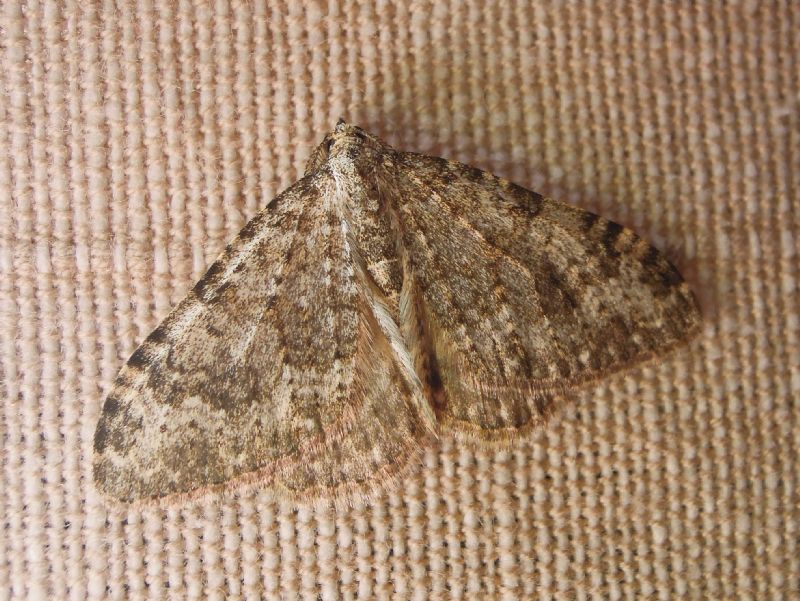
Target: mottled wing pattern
(261,370)
(522,297)
(382,292)
(386,439)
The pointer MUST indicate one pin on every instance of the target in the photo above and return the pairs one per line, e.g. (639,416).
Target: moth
(385,297)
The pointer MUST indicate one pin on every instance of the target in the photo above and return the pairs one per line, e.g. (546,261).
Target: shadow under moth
(384,297)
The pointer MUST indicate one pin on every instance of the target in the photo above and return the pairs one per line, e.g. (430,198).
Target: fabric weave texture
(137,137)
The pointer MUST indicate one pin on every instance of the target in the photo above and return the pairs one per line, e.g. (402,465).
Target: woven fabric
(137,137)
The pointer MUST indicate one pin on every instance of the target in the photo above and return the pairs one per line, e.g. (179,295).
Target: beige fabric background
(136,138)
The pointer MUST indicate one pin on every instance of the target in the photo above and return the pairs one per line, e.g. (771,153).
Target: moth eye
(329,144)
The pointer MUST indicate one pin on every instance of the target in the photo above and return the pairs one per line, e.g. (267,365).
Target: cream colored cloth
(137,138)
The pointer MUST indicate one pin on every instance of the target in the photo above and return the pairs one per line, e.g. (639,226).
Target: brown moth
(382,298)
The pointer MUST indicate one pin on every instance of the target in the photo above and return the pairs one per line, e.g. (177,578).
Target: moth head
(347,141)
